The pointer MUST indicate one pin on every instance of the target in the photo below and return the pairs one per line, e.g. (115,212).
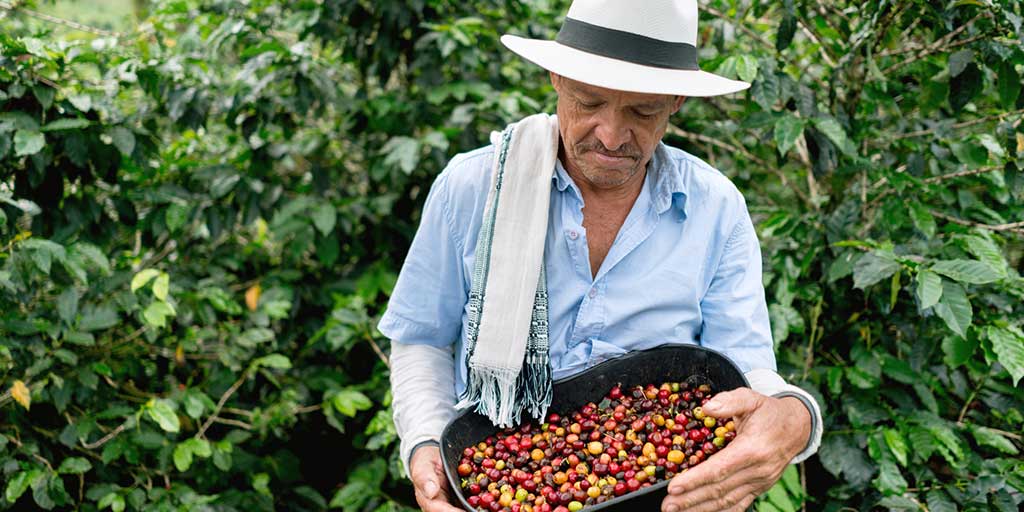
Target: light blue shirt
(684,268)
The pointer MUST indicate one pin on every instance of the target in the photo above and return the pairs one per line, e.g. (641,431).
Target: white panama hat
(646,46)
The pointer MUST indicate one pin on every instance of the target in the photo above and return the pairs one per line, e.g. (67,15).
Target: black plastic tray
(665,363)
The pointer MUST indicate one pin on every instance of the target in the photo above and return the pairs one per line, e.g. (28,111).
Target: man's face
(609,136)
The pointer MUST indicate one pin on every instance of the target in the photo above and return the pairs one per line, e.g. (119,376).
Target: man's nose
(612,132)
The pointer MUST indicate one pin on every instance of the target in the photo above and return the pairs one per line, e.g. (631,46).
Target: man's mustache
(625,151)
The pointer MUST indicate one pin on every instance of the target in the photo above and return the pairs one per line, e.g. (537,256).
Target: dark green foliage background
(202,218)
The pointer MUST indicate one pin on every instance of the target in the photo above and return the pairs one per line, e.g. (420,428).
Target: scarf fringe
(493,390)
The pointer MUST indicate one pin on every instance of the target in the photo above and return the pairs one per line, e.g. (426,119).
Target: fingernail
(672,508)
(431,489)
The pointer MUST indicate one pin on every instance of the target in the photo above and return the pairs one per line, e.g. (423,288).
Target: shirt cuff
(767,382)
(412,451)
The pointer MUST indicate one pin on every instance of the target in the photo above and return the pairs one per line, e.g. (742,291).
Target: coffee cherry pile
(633,439)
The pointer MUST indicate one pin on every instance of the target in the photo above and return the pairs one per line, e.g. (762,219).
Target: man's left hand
(769,433)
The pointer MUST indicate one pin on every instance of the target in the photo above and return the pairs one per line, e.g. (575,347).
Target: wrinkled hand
(769,433)
(427,474)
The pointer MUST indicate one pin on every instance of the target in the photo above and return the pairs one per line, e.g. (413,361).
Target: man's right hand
(427,474)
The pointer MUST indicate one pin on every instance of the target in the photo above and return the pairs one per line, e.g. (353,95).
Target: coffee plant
(201,219)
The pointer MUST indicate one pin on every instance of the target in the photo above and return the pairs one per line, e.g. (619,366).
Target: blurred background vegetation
(204,205)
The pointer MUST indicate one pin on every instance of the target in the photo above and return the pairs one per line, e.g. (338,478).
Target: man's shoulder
(468,169)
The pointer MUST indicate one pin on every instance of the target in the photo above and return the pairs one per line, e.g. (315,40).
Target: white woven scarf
(509,370)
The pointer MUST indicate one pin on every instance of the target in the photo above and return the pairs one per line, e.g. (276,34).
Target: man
(645,245)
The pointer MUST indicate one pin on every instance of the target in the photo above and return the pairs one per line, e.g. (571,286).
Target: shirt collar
(669,189)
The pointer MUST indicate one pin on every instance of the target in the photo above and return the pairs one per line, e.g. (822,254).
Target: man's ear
(556,80)
(678,103)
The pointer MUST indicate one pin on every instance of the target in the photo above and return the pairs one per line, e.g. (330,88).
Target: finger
(737,402)
(721,497)
(439,504)
(734,459)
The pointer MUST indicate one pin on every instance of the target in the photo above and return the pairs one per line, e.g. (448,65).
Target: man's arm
(772,431)
(423,399)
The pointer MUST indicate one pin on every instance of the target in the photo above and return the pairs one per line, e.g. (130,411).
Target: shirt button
(593,293)
(573,235)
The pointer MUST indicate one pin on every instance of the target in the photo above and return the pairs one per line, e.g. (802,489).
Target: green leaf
(176,216)
(923,219)
(123,139)
(939,501)
(17,485)
(402,152)
(965,86)
(954,308)
(157,312)
(788,129)
(182,457)
(161,411)
(957,350)
(835,132)
(160,286)
(74,465)
(66,123)
(324,217)
(1008,83)
(841,456)
(80,338)
(929,288)
(993,439)
(184,452)
(890,481)
(967,271)
(897,445)
(113,500)
(97,318)
(28,142)
(67,305)
(746,67)
(1008,344)
(143,278)
(349,402)
(958,61)
(273,361)
(872,268)
(352,496)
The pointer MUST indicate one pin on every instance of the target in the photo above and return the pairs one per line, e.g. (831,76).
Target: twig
(308,408)
(962,124)
(228,421)
(970,398)
(1013,227)
(220,403)
(960,174)
(376,348)
(821,46)
(937,46)
(38,457)
(240,412)
(110,435)
(7,6)
(675,130)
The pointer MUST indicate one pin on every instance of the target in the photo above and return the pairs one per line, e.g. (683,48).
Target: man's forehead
(638,98)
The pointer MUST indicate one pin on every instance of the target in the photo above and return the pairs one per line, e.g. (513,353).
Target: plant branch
(960,174)
(938,46)
(110,435)
(220,403)
(1013,227)
(962,124)
(675,130)
(7,6)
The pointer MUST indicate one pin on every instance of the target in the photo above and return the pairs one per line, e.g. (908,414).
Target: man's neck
(622,196)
